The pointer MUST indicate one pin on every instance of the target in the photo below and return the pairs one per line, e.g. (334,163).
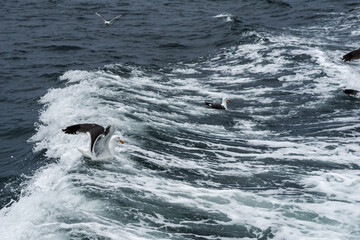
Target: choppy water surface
(281,163)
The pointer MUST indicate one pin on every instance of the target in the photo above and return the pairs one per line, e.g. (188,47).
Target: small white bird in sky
(107,22)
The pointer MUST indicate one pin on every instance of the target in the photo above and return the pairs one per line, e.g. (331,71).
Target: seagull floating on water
(354,9)
(102,141)
(107,23)
(223,105)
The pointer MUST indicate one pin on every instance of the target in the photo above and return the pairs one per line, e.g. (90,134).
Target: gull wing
(215,105)
(353,55)
(101,17)
(93,129)
(115,18)
(351,91)
(101,143)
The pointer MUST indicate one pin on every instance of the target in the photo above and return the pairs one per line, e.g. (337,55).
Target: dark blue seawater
(281,163)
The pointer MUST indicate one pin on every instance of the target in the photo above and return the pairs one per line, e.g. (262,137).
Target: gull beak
(229,100)
(122,142)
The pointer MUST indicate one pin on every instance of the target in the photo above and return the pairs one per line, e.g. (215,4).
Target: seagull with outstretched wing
(102,140)
(106,22)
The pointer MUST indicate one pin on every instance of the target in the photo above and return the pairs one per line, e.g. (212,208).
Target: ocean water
(282,163)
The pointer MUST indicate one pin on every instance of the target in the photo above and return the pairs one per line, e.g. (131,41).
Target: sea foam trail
(187,171)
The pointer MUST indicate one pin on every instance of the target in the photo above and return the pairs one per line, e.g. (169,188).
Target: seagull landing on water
(107,23)
(102,141)
(223,105)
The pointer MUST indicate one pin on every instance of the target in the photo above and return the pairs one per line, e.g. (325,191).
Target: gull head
(122,142)
(224,102)
(226,99)
(118,138)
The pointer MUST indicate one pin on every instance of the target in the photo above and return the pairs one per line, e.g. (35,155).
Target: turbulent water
(281,163)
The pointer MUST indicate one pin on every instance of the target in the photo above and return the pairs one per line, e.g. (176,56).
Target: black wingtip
(67,131)
(351,92)
(347,58)
(351,56)
(71,129)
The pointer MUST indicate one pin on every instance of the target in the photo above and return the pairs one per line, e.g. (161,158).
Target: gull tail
(86,154)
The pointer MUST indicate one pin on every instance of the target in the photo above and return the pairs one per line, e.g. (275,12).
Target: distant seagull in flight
(107,23)
(102,140)
(353,55)
(223,105)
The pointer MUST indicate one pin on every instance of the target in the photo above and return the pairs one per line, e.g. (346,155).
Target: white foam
(336,185)
(185,71)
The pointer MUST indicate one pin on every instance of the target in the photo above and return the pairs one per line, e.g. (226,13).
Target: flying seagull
(107,23)
(353,55)
(102,141)
(223,105)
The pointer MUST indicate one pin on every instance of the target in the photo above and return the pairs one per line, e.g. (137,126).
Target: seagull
(102,141)
(107,23)
(354,9)
(351,92)
(223,105)
(353,55)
